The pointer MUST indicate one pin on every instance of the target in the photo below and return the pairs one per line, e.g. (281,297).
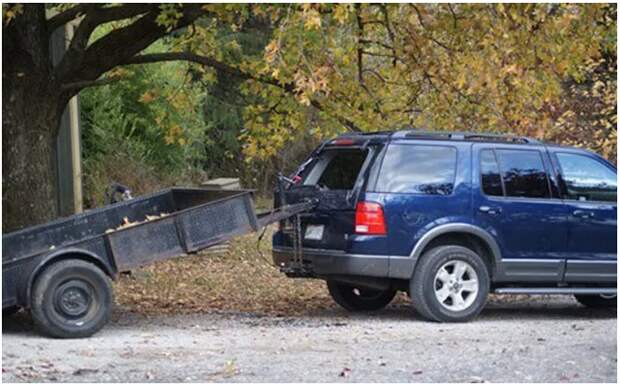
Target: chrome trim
(557,291)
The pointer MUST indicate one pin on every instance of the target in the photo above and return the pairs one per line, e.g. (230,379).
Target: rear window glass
(489,174)
(337,169)
(418,169)
(523,173)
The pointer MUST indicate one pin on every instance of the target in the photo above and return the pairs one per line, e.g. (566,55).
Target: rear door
(516,200)
(334,177)
(589,188)
(420,185)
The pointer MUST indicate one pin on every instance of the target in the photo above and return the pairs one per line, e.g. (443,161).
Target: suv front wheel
(597,301)
(356,298)
(450,284)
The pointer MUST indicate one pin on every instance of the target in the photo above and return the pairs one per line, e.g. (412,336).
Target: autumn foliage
(254,86)
(544,70)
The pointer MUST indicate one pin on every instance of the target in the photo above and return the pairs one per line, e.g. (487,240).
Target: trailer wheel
(10,311)
(353,298)
(71,299)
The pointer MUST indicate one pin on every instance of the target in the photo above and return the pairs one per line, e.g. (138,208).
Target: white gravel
(551,339)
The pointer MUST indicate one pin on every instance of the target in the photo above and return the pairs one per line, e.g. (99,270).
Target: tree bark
(30,117)
(29,191)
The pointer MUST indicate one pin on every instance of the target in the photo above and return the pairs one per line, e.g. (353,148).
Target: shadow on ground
(533,308)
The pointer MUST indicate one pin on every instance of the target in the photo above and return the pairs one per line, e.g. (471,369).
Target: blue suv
(450,217)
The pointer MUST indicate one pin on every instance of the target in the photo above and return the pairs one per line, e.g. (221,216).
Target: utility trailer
(62,270)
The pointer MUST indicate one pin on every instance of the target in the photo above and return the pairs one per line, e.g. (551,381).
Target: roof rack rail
(465,136)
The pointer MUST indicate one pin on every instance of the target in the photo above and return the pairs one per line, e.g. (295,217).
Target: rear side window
(418,169)
(337,169)
(523,173)
(489,174)
(587,179)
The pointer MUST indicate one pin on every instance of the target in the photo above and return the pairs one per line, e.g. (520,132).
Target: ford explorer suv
(449,218)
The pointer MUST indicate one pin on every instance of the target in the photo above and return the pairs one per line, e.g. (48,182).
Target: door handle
(583,213)
(490,209)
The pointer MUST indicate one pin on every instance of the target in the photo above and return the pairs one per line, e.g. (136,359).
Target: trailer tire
(10,311)
(353,298)
(71,299)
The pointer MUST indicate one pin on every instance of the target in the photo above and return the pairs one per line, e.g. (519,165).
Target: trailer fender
(64,254)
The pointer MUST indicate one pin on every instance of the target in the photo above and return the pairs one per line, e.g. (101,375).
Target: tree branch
(90,83)
(120,44)
(234,71)
(94,17)
(384,11)
(209,62)
(63,18)
(360,32)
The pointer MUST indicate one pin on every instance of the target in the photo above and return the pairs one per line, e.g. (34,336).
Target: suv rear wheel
(356,298)
(598,301)
(450,284)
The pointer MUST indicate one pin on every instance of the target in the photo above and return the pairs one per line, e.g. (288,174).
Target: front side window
(523,173)
(418,169)
(587,179)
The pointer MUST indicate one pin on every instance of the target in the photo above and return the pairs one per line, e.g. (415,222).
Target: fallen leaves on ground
(240,279)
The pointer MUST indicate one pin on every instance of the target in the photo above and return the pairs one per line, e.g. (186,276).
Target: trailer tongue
(61,270)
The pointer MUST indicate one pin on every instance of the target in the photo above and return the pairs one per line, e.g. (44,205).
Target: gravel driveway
(550,339)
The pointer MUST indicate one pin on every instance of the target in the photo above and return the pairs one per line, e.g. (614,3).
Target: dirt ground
(538,339)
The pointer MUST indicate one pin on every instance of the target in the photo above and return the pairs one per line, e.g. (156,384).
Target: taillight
(369,219)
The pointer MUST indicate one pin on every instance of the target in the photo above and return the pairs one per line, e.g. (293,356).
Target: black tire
(71,299)
(423,285)
(356,298)
(598,301)
(10,311)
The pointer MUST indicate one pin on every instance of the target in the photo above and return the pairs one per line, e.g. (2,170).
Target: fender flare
(429,236)
(51,258)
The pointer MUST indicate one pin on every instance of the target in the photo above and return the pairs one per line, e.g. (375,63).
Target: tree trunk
(29,191)
(31,108)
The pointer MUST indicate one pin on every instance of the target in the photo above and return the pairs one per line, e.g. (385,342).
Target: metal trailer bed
(181,221)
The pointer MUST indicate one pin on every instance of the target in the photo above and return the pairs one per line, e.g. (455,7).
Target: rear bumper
(318,262)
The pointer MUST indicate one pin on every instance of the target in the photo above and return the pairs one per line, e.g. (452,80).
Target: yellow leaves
(11,11)
(511,69)
(306,86)
(271,51)
(147,97)
(168,16)
(175,135)
(311,18)
(119,72)
(341,13)
(461,79)
(493,67)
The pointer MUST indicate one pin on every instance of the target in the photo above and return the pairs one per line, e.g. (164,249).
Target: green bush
(147,128)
